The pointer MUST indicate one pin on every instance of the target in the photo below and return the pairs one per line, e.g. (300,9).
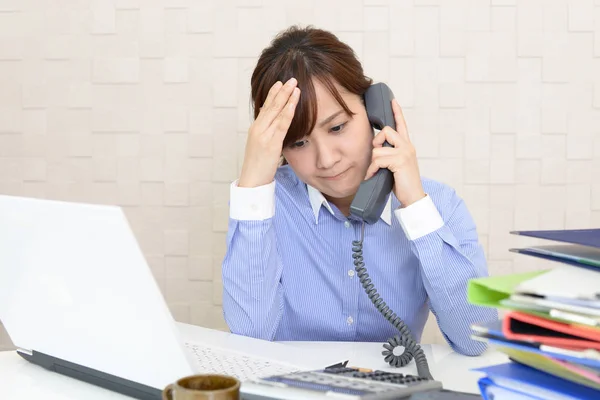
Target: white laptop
(77,297)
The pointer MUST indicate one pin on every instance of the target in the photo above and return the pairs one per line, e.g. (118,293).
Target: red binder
(525,327)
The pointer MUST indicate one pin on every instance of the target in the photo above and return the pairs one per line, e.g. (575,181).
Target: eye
(338,128)
(298,144)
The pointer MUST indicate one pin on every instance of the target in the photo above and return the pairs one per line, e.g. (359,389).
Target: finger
(376,160)
(380,152)
(393,158)
(389,135)
(268,114)
(380,162)
(401,127)
(283,121)
(271,95)
(376,165)
(371,171)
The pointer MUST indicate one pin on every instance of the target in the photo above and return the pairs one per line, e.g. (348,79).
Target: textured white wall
(145,104)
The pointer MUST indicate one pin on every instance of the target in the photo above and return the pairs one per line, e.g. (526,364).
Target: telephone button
(347,224)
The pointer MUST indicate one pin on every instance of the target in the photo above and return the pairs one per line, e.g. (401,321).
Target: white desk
(22,380)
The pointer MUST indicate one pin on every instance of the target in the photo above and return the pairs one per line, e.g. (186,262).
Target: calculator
(337,383)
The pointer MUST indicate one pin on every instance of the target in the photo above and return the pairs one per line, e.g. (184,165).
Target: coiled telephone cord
(411,348)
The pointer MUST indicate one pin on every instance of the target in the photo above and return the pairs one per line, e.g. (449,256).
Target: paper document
(564,281)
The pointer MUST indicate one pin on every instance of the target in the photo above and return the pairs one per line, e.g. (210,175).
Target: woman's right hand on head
(266,134)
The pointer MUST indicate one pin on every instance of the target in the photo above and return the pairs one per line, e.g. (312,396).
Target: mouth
(336,177)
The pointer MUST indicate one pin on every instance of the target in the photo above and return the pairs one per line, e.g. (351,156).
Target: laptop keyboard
(243,367)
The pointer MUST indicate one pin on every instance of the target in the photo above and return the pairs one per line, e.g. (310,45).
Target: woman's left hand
(401,159)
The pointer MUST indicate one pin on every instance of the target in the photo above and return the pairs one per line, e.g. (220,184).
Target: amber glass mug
(203,387)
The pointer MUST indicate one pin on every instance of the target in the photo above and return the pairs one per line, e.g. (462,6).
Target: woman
(289,273)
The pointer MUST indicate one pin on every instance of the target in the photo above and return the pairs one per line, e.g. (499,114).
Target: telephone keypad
(364,384)
(380,376)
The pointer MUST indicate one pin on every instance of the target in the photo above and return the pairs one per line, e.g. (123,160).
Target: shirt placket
(351,281)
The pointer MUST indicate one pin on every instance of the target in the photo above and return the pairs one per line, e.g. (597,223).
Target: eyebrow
(330,118)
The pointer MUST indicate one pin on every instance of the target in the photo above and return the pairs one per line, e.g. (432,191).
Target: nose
(327,156)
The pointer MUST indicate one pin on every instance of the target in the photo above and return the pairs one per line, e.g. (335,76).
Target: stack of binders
(550,327)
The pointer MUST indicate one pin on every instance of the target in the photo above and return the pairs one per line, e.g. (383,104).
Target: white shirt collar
(317,200)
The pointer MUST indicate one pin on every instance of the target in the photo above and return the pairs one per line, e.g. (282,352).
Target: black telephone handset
(368,204)
(372,194)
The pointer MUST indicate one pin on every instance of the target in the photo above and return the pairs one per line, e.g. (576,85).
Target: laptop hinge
(25,351)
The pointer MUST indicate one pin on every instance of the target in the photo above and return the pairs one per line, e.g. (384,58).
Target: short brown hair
(306,53)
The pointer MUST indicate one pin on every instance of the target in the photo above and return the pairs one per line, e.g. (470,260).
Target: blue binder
(584,237)
(490,391)
(581,356)
(527,381)
(553,258)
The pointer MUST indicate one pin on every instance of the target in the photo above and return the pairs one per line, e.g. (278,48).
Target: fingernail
(291,81)
(278,84)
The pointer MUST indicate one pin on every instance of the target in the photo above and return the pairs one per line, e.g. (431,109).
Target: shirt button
(253,207)
(349,320)
(351,273)
(347,224)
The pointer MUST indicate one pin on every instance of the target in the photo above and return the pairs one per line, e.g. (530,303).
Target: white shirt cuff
(252,204)
(419,218)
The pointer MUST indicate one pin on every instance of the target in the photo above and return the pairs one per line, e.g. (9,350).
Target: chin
(338,189)
(341,191)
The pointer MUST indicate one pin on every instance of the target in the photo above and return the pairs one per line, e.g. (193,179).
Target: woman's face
(334,158)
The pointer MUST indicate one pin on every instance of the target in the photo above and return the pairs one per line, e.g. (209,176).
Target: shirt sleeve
(252,268)
(446,242)
(419,218)
(252,204)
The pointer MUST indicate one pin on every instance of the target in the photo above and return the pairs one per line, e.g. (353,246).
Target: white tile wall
(147,106)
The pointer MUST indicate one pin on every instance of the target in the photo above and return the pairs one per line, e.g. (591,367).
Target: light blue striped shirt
(288,272)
